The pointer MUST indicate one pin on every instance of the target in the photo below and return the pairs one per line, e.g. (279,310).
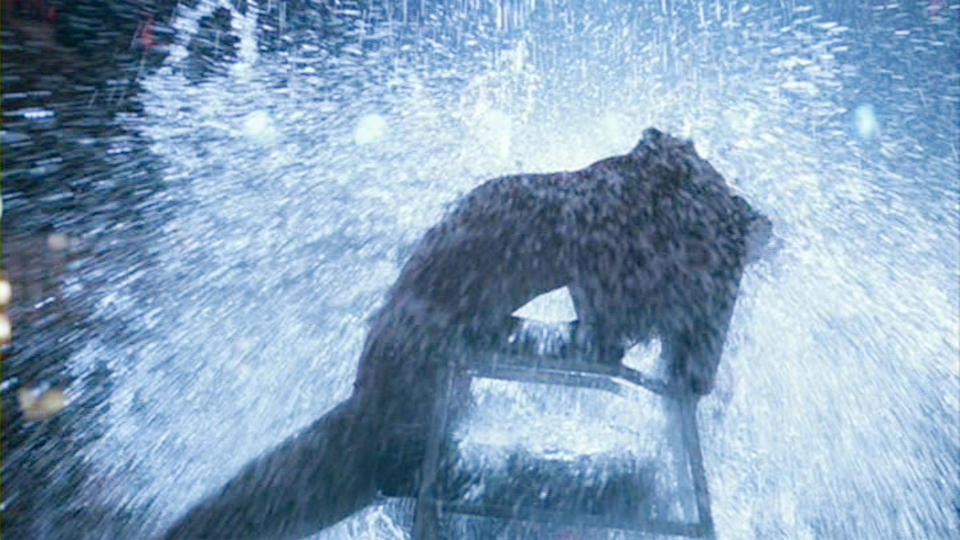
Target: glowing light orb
(370,129)
(259,126)
(866,121)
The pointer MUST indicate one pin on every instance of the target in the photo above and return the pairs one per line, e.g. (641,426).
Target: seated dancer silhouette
(649,243)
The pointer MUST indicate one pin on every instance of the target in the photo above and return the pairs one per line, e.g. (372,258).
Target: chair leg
(691,442)
(427,514)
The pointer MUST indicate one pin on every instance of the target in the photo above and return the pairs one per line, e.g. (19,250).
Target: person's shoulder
(517,187)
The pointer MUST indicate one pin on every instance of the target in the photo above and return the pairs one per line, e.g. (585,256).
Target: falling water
(292,180)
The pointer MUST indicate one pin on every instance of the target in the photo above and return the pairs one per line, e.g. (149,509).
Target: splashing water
(294,182)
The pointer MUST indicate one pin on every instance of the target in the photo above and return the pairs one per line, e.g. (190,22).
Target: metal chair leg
(427,514)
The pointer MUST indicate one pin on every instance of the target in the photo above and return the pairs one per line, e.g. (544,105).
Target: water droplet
(866,121)
(259,126)
(370,129)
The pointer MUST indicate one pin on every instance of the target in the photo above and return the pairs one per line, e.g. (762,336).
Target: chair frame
(570,364)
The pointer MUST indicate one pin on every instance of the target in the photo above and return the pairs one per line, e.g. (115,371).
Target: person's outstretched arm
(310,482)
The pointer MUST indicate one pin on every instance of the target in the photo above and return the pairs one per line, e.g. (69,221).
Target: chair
(560,358)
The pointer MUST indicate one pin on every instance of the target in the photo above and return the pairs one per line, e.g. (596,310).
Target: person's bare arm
(693,345)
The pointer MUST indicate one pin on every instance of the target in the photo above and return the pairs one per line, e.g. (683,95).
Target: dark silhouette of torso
(649,243)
